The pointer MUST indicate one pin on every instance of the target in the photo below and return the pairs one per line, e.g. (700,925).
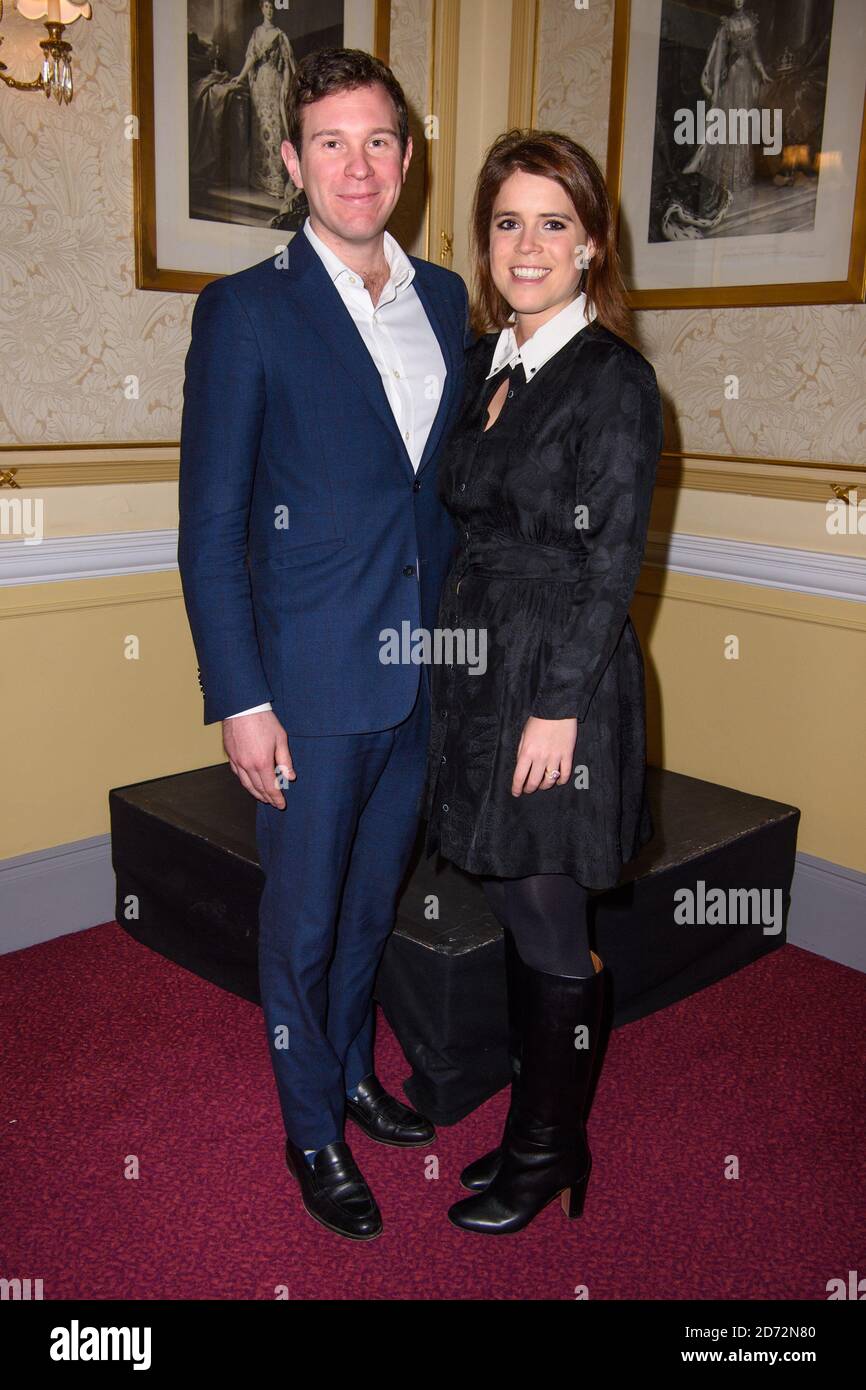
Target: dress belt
(504,558)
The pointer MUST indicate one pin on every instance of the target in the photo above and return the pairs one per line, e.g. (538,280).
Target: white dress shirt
(545,341)
(400,339)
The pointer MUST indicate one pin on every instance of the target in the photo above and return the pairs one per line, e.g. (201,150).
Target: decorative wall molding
(796,480)
(443,149)
(524,49)
(61,558)
(28,467)
(41,600)
(768,567)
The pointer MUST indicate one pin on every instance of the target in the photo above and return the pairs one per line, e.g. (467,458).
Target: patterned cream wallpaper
(802,369)
(73,326)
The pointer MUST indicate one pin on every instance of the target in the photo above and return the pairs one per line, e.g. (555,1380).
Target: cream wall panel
(763,520)
(84,718)
(784,720)
(86,511)
(80,718)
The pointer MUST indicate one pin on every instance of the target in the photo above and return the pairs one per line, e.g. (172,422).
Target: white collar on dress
(545,341)
(402,269)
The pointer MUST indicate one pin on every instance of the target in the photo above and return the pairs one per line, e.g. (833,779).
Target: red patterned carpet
(114,1056)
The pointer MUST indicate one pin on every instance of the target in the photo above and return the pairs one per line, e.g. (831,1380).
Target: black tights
(546,914)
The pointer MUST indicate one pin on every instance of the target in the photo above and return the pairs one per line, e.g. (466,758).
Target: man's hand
(544,744)
(256,745)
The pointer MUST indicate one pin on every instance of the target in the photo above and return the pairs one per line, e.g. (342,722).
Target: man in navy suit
(320,387)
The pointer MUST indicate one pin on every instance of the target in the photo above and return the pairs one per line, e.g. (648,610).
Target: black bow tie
(515,374)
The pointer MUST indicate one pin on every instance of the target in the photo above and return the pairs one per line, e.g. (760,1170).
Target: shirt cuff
(256,709)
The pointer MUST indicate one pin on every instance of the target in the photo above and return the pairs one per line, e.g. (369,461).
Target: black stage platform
(184,848)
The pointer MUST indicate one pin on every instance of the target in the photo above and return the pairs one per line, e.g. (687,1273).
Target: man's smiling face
(351,166)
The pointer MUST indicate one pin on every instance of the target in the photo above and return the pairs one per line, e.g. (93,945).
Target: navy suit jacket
(300,513)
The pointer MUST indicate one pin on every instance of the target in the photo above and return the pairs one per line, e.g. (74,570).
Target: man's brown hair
(553,156)
(340,70)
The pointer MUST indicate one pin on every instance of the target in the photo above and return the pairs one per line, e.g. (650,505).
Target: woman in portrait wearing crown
(732,79)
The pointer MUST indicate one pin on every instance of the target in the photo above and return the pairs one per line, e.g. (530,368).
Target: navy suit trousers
(333,861)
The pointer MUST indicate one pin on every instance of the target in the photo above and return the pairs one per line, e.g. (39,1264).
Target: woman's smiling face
(538,246)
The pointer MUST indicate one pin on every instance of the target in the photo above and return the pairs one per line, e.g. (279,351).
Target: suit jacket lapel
(318,299)
(320,303)
(449,384)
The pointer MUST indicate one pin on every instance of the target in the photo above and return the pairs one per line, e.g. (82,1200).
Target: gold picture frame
(849,287)
(150,273)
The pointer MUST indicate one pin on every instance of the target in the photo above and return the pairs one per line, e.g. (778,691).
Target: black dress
(552,505)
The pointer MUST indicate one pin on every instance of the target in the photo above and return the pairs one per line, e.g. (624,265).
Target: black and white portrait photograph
(211,80)
(241,57)
(735,141)
(721,174)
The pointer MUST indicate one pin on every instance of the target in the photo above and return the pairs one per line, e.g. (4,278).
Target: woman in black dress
(538,757)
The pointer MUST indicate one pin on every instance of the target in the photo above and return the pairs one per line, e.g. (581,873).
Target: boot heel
(574,1197)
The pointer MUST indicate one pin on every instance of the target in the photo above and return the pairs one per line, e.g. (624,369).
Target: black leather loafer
(386,1119)
(334,1192)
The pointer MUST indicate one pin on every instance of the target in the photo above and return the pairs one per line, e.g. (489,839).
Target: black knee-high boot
(478,1175)
(545,1151)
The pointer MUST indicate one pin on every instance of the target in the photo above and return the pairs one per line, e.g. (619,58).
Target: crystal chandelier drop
(57,71)
(55,79)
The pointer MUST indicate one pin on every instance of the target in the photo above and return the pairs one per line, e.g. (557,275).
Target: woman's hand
(545,745)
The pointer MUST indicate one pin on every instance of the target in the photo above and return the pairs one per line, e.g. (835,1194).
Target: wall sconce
(56,75)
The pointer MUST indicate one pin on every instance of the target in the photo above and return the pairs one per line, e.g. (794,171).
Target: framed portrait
(212,195)
(737,151)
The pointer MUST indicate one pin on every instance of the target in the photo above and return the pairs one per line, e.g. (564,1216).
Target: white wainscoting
(710,557)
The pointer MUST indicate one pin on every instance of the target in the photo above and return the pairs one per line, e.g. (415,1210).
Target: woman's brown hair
(552,156)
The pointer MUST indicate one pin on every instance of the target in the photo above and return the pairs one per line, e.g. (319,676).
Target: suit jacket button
(409,571)
(416,486)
